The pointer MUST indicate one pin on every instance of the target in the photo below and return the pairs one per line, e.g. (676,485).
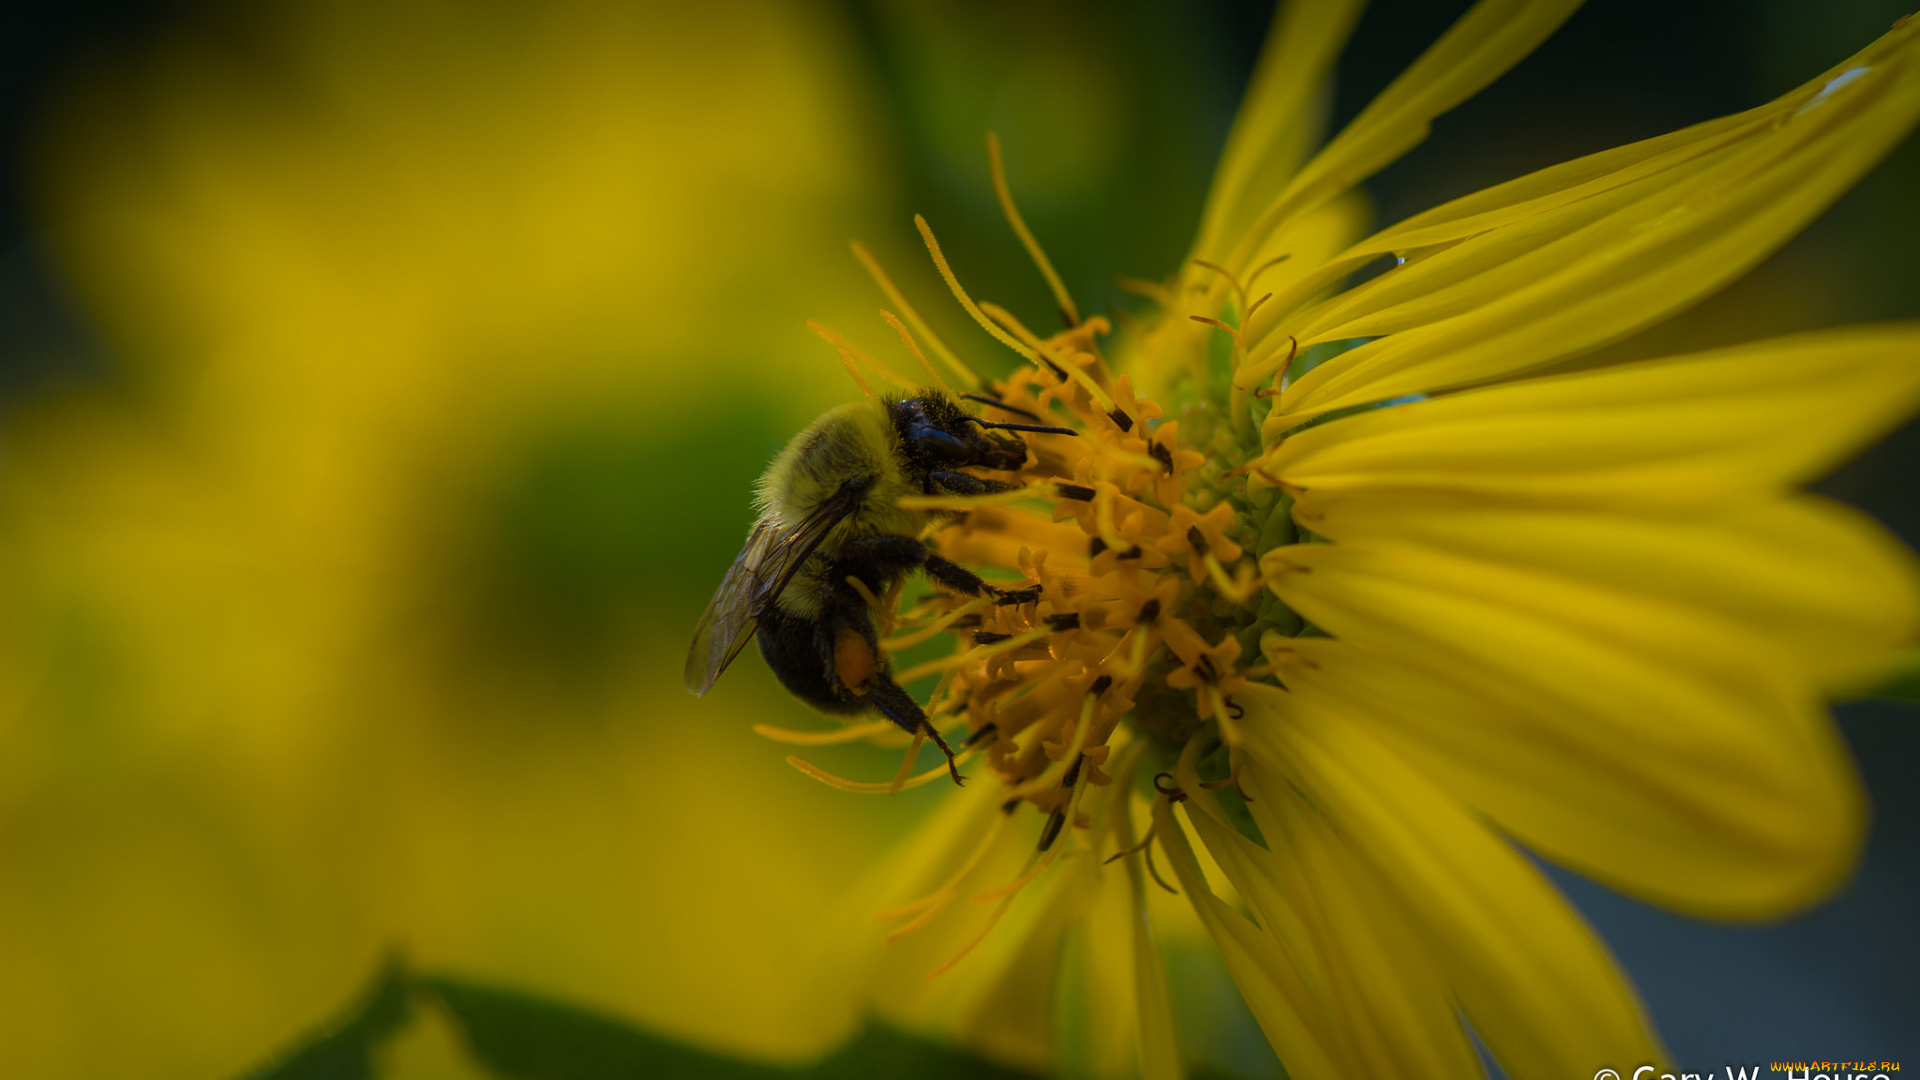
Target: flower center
(1150,607)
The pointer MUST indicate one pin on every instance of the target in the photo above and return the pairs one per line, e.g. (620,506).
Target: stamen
(899,301)
(866,361)
(1125,319)
(1263,268)
(1055,772)
(1239,591)
(1043,858)
(1286,369)
(1005,194)
(824,738)
(846,361)
(866,594)
(863,788)
(914,348)
(937,901)
(1060,364)
(1000,335)
(906,763)
(1239,345)
(1239,290)
(937,626)
(998,404)
(1152,290)
(1154,871)
(992,921)
(1134,850)
(981,652)
(968,502)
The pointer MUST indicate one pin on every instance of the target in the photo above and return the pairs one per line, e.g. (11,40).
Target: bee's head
(940,436)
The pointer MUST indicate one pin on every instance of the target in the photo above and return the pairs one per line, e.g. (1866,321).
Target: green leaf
(519,1036)
(524,1037)
(344,1050)
(1905,685)
(528,1038)
(884,1052)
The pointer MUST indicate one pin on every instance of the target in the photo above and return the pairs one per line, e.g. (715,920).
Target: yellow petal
(1532,978)
(1277,122)
(1826,583)
(998,1000)
(1662,435)
(1489,39)
(1384,990)
(1664,750)
(1572,274)
(1158,1042)
(1294,1022)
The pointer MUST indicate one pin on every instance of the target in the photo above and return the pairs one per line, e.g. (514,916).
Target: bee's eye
(942,445)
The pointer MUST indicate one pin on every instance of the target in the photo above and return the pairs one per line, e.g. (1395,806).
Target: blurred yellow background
(343,594)
(348,614)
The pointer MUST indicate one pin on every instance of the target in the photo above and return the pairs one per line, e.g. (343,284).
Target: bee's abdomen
(806,655)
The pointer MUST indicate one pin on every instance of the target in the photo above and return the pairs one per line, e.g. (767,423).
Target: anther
(988,637)
(1100,685)
(1197,539)
(1204,667)
(998,404)
(984,733)
(1160,453)
(1120,417)
(1075,492)
(1149,611)
(1095,546)
(1062,623)
(1052,832)
(1133,552)
(1010,805)
(1073,771)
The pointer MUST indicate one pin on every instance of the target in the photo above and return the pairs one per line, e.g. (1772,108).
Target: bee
(829,512)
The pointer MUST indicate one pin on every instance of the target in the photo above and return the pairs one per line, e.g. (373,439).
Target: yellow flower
(1375,596)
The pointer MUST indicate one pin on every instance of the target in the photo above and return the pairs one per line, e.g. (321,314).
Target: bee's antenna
(998,404)
(1037,429)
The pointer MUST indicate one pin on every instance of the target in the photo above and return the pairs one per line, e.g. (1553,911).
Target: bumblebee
(829,512)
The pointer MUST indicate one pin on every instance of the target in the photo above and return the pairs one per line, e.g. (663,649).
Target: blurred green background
(381,385)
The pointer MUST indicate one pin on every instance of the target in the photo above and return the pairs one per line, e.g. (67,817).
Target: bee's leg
(877,558)
(898,706)
(960,579)
(959,483)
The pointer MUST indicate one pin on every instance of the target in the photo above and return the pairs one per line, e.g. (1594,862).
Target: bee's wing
(727,624)
(769,561)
